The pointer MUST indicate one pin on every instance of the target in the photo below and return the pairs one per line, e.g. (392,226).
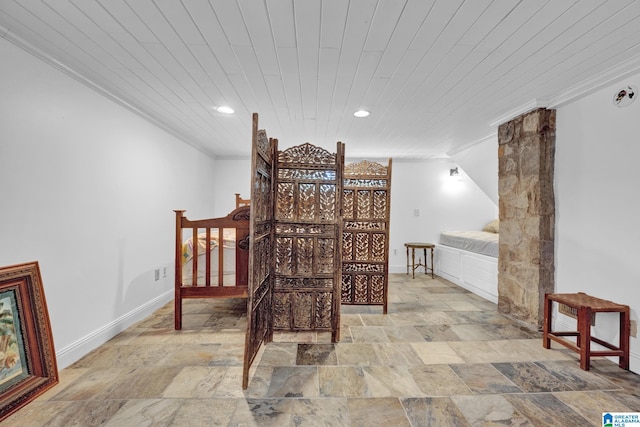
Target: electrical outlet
(634,329)
(157,274)
(164,271)
(416,212)
(395,252)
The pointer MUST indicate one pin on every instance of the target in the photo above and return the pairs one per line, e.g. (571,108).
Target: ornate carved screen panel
(259,303)
(365,233)
(308,185)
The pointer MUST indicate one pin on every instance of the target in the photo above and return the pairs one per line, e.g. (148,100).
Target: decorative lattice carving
(263,145)
(373,268)
(304,256)
(327,202)
(307,154)
(380,198)
(306,202)
(306,230)
(364,225)
(284,201)
(310,174)
(284,255)
(362,246)
(365,233)
(378,247)
(281,310)
(363,204)
(347,204)
(347,246)
(302,309)
(326,255)
(347,287)
(303,283)
(365,167)
(285,228)
(242,215)
(376,287)
(372,183)
(361,288)
(323,310)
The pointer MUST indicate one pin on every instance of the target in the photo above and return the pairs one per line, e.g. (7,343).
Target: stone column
(526,148)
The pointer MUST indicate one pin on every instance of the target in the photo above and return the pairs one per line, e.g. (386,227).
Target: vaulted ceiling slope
(436,75)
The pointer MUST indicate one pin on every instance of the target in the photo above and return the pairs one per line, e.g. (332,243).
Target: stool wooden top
(581,299)
(419,245)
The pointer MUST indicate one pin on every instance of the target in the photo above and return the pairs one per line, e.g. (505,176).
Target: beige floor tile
(441,356)
(436,353)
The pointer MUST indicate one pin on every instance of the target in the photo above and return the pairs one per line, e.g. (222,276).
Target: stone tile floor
(441,357)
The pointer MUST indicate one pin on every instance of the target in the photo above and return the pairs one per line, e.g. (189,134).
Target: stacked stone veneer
(526,147)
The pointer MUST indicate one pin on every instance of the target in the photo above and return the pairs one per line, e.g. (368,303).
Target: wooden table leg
(546,341)
(432,266)
(407,259)
(584,337)
(413,262)
(425,261)
(625,327)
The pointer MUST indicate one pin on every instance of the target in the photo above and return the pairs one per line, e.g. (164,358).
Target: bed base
(475,272)
(238,219)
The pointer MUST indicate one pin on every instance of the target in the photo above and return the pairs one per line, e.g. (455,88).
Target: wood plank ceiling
(436,75)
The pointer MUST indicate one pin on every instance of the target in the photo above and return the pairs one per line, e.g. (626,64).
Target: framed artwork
(27,359)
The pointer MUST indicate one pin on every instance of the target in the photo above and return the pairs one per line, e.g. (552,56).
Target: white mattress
(229,272)
(229,259)
(480,242)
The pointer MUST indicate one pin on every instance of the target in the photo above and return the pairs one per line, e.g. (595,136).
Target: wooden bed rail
(238,220)
(241,202)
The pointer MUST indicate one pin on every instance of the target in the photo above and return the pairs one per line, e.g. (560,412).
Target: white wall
(87,189)
(231,176)
(597,205)
(480,161)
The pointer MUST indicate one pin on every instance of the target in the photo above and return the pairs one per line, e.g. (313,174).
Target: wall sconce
(454,172)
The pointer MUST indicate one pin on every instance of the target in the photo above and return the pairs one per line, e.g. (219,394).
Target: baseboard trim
(73,352)
(397,269)
(634,358)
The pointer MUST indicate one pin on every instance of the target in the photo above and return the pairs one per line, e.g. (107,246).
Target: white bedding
(229,259)
(480,242)
(229,272)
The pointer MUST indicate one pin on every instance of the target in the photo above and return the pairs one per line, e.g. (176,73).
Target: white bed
(470,259)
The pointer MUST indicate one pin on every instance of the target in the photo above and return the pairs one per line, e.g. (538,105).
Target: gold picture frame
(28,365)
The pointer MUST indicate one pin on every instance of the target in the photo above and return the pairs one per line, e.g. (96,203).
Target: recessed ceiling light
(225,110)
(361,113)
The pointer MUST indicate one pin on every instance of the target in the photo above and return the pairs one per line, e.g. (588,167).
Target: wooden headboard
(211,230)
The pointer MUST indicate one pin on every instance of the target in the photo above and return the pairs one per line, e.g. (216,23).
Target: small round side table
(424,246)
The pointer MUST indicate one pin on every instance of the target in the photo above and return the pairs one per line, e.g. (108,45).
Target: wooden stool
(413,246)
(586,305)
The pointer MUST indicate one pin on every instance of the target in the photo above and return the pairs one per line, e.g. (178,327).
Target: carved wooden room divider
(365,233)
(261,250)
(308,188)
(296,236)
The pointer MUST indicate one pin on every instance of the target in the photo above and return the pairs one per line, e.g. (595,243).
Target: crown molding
(597,82)
(48,59)
(575,92)
(471,144)
(518,111)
